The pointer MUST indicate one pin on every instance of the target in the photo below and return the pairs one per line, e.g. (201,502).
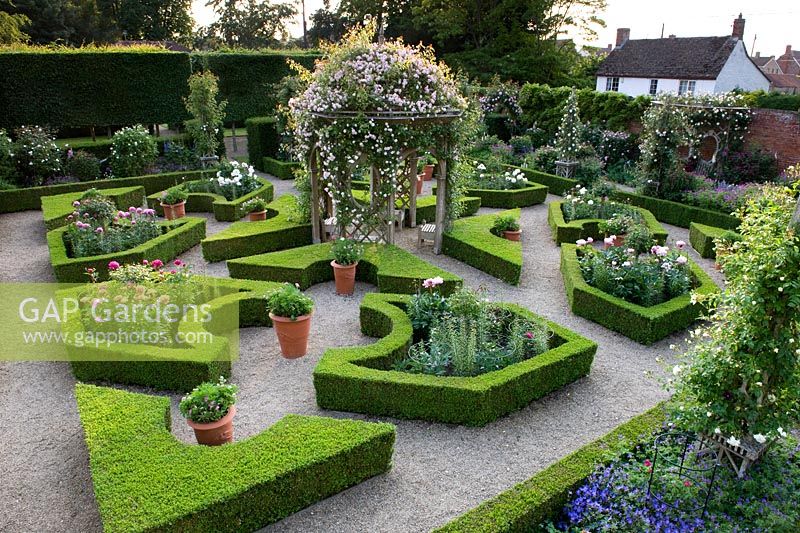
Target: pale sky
(773,23)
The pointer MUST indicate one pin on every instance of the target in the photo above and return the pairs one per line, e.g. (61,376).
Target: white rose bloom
(733,441)
(761,439)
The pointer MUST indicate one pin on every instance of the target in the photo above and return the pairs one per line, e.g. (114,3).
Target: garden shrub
(7,170)
(284,170)
(263,140)
(146,480)
(36,155)
(133,151)
(747,166)
(207,114)
(82,165)
(360,379)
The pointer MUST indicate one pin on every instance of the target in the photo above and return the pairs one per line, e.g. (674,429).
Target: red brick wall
(777,132)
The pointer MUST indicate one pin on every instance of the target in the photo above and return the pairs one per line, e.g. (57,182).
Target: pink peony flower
(529,334)
(99,229)
(113,265)
(158,263)
(589,240)
(581,242)
(76,203)
(178,263)
(682,260)
(680,245)
(609,241)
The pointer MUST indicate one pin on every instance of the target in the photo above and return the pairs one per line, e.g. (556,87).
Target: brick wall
(777,132)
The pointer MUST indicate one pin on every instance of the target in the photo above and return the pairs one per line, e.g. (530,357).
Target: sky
(772,23)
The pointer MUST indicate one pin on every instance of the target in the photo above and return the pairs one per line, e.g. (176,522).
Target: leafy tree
(48,19)
(250,23)
(207,113)
(155,19)
(11,28)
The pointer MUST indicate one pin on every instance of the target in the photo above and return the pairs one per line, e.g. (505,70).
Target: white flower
(717,431)
(590,202)
(761,439)
(677,369)
(782,433)
(481,167)
(580,242)
(733,441)
(709,414)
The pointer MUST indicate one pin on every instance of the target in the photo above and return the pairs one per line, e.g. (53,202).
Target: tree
(48,19)
(11,27)
(156,20)
(207,113)
(250,23)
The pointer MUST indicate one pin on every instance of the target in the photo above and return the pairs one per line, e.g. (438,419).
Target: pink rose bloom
(437,281)
(589,240)
(113,265)
(427,284)
(609,240)
(680,245)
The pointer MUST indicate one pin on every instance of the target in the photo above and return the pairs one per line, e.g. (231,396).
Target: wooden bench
(427,232)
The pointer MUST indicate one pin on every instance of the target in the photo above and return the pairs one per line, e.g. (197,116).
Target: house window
(686,86)
(612,84)
(653,87)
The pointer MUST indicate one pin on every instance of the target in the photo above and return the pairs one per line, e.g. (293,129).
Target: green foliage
(347,251)
(256,205)
(704,238)
(675,213)
(203,196)
(207,112)
(133,151)
(503,223)
(569,133)
(285,170)
(11,28)
(263,140)
(35,155)
(133,457)
(742,373)
(588,228)
(640,239)
(83,166)
(208,402)
(174,196)
(618,224)
(7,170)
(788,102)
(90,237)
(289,302)
(665,128)
(426,308)
(249,23)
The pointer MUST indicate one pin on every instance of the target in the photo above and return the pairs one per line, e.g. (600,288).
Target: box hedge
(509,199)
(56,209)
(555,184)
(176,369)
(283,170)
(242,239)
(146,480)
(678,214)
(471,241)
(14,200)
(178,237)
(702,237)
(263,139)
(224,210)
(391,268)
(360,379)
(642,324)
(583,229)
(543,496)
(426,205)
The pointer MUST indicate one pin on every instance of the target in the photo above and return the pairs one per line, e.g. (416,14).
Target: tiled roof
(784,81)
(699,58)
(761,60)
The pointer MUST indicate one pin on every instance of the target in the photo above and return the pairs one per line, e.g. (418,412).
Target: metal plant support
(687,468)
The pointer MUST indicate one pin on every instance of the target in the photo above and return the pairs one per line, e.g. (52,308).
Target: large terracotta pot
(257,216)
(512,235)
(619,240)
(419,184)
(292,334)
(174,211)
(345,277)
(215,433)
(427,173)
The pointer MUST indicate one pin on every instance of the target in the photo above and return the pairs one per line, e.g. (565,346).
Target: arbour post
(412,177)
(441,205)
(316,226)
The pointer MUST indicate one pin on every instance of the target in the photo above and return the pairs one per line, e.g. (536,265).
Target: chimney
(623,34)
(672,35)
(738,28)
(758,54)
(788,51)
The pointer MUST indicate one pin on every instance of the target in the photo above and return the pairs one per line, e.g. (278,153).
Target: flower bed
(29,198)
(496,187)
(242,239)
(56,209)
(170,368)
(208,202)
(470,240)
(391,268)
(359,379)
(702,237)
(574,230)
(642,324)
(146,480)
(177,237)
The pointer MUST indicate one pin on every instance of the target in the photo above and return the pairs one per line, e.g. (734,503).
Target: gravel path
(439,470)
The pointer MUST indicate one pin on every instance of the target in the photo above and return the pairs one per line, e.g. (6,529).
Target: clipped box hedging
(582,229)
(224,210)
(176,369)
(242,239)
(56,209)
(283,170)
(542,497)
(14,200)
(178,237)
(426,205)
(509,199)
(471,241)
(101,148)
(642,324)
(145,480)
(556,184)
(390,268)
(263,139)
(678,214)
(701,237)
(360,379)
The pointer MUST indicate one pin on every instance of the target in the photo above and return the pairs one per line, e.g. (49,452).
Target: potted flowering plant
(173,201)
(209,410)
(615,228)
(290,311)
(346,253)
(425,166)
(507,226)
(256,209)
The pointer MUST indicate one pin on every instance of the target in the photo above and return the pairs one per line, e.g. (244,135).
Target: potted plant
(209,410)
(290,311)
(507,226)
(173,201)
(425,166)
(346,253)
(256,209)
(615,229)
(420,181)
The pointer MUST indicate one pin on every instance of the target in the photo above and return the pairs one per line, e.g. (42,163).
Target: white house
(680,65)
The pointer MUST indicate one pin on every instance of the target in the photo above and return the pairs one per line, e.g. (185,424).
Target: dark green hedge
(178,237)
(583,229)
(181,369)
(642,324)
(85,87)
(263,140)
(56,209)
(543,496)
(470,240)
(15,200)
(509,199)
(243,239)
(101,148)
(224,210)
(678,214)
(359,379)
(498,124)
(146,480)
(701,237)
(283,170)
(556,184)
(391,268)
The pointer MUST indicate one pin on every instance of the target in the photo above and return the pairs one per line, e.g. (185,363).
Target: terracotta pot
(292,334)
(717,266)
(174,211)
(512,235)
(619,240)
(258,215)
(419,184)
(345,277)
(427,173)
(215,433)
